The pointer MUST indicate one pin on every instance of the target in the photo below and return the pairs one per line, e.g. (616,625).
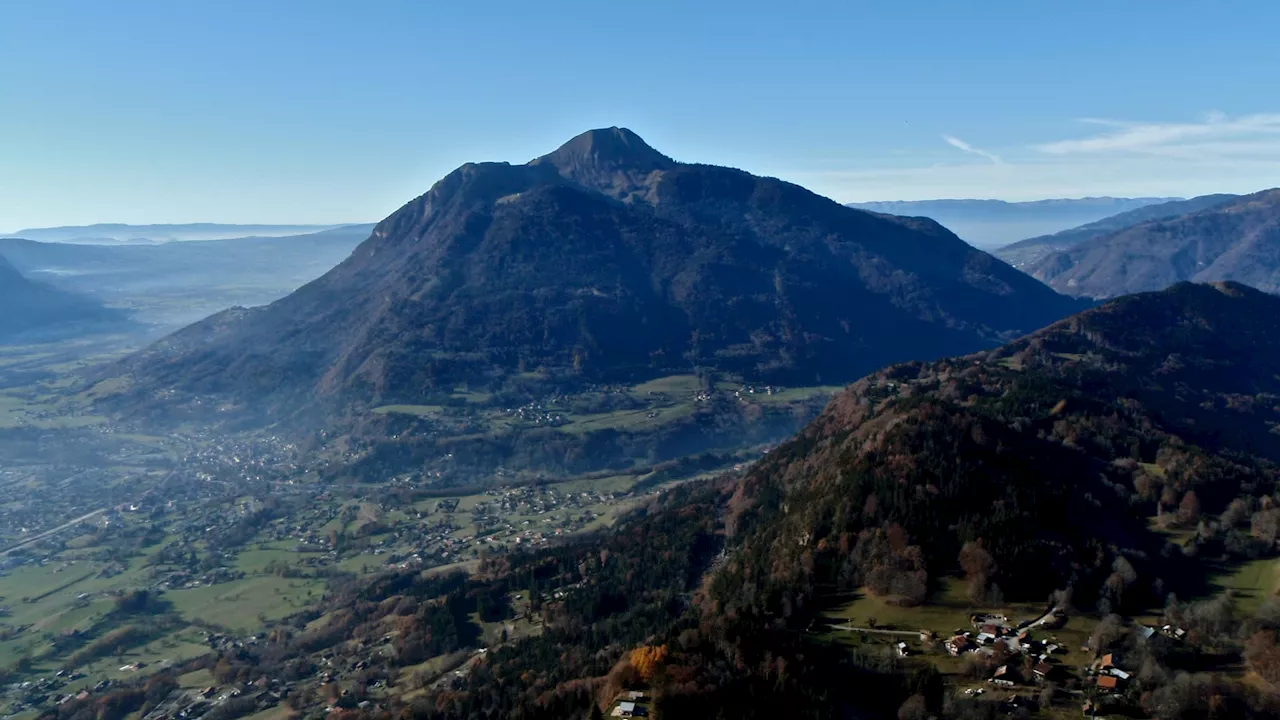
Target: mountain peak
(613,160)
(614,145)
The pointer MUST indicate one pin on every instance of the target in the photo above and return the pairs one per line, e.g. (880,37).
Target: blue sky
(335,111)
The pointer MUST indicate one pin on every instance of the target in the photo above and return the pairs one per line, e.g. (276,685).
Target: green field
(946,611)
(790,395)
(279,712)
(243,605)
(460,393)
(170,649)
(1252,583)
(17,410)
(43,402)
(671,385)
(256,560)
(415,410)
(197,679)
(612,484)
(628,419)
(667,399)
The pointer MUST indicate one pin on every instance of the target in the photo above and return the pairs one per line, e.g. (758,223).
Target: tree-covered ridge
(1237,240)
(1025,253)
(1051,452)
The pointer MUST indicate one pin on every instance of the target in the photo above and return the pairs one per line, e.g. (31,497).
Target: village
(1020,664)
(230,536)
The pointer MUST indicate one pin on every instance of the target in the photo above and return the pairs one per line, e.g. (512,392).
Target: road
(82,518)
(905,633)
(1043,618)
(54,531)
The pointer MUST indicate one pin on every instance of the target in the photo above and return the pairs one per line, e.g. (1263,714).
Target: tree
(1189,508)
(158,688)
(1123,576)
(1108,631)
(1046,695)
(979,567)
(647,659)
(915,708)
(1266,525)
(1263,655)
(977,665)
(1235,514)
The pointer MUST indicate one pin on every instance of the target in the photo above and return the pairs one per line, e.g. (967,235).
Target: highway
(54,531)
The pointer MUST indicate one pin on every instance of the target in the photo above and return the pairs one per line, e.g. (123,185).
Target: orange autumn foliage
(647,659)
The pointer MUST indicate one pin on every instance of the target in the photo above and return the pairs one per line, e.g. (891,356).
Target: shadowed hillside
(36,311)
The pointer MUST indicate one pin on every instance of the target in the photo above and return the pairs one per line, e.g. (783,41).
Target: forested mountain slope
(602,261)
(1053,451)
(1238,241)
(1025,252)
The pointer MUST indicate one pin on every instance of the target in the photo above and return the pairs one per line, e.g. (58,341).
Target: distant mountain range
(604,260)
(177,283)
(1028,251)
(34,311)
(990,224)
(115,233)
(1236,239)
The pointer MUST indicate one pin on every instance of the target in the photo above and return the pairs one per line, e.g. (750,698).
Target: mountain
(1027,251)
(995,223)
(1085,442)
(112,233)
(34,311)
(604,261)
(1094,471)
(1238,240)
(173,284)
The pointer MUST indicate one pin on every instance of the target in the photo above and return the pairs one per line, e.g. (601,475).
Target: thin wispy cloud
(1122,158)
(1216,137)
(956,142)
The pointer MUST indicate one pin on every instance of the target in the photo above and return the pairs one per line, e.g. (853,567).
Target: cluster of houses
(27,515)
(34,694)
(753,390)
(538,413)
(1107,675)
(1111,680)
(183,704)
(993,635)
(1106,672)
